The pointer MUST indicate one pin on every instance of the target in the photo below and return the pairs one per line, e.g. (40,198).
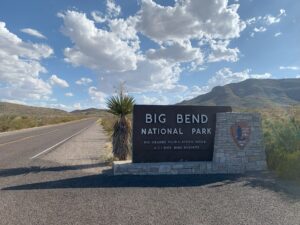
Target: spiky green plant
(121,105)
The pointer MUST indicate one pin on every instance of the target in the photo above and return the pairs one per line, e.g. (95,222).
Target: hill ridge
(252,93)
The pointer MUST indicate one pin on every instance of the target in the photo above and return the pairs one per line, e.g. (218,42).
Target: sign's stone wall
(238,148)
(231,157)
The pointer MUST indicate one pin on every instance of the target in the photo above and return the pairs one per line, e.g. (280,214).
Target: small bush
(282,142)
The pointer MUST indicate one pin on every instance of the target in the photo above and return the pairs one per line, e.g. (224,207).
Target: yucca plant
(121,105)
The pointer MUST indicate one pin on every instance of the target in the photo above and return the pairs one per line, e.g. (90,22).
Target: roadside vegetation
(282,141)
(16,122)
(121,105)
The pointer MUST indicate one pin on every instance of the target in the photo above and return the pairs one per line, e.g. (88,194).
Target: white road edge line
(59,143)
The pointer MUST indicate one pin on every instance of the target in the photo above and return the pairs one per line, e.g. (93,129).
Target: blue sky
(73,54)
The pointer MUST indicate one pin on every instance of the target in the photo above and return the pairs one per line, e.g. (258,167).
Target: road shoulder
(87,151)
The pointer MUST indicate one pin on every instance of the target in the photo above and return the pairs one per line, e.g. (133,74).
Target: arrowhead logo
(240,133)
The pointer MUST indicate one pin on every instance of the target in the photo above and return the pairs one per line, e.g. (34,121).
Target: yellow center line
(25,138)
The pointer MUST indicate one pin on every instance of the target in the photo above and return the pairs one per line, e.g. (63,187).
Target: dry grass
(12,122)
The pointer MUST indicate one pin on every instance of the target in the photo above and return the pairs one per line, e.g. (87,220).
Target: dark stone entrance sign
(174,133)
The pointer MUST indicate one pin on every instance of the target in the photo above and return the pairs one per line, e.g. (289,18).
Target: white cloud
(113,51)
(56,106)
(177,52)
(251,21)
(260,29)
(69,94)
(195,91)
(113,10)
(55,80)
(221,78)
(277,34)
(84,81)
(189,19)
(125,30)
(97,96)
(262,21)
(77,106)
(226,76)
(221,52)
(33,32)
(160,100)
(150,75)
(213,21)
(97,49)
(98,17)
(194,67)
(269,19)
(289,68)
(297,76)
(20,68)
(12,44)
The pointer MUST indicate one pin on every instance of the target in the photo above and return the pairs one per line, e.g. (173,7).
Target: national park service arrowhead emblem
(240,133)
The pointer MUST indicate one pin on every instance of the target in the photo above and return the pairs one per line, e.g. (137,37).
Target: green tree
(121,105)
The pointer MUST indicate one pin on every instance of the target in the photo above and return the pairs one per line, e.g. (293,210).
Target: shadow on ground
(107,180)
(37,169)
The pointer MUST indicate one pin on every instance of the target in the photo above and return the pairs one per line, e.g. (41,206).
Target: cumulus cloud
(189,19)
(221,52)
(114,49)
(55,80)
(95,48)
(20,67)
(84,81)
(213,21)
(177,52)
(97,96)
(150,75)
(33,32)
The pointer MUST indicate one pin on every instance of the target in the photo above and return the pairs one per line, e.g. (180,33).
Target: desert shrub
(108,122)
(121,105)
(282,142)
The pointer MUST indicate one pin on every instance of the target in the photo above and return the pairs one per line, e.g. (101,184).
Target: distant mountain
(252,93)
(90,112)
(24,110)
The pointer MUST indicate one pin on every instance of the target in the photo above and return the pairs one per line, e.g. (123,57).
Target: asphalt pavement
(70,184)
(18,147)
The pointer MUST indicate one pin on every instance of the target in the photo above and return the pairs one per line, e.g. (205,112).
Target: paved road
(56,188)
(18,147)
